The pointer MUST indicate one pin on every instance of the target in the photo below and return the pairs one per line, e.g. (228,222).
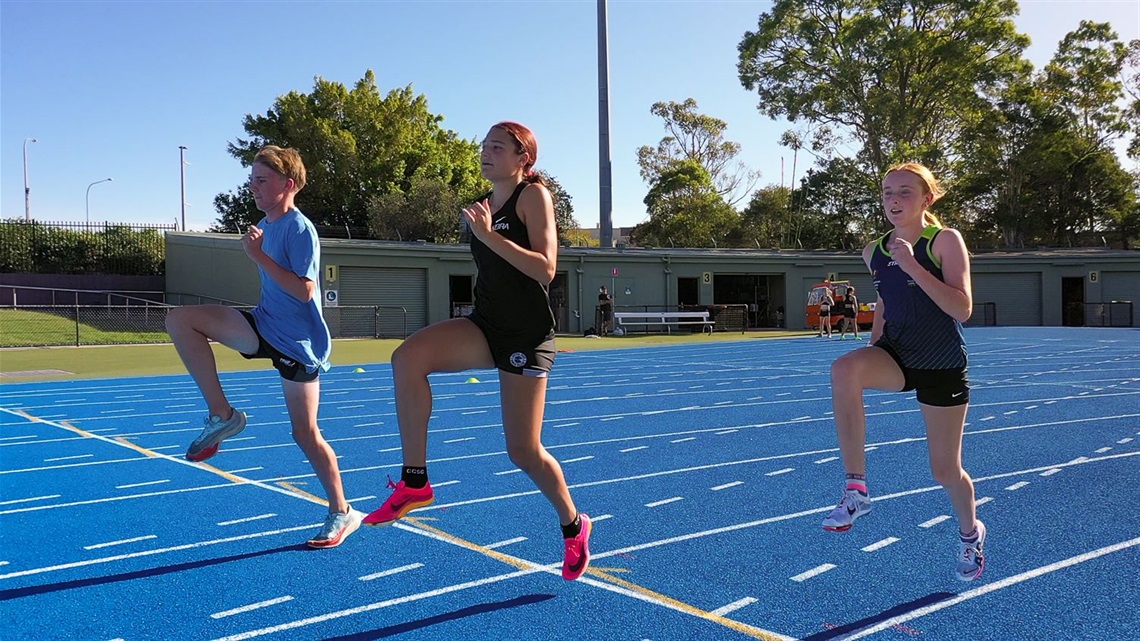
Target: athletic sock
(570,531)
(857,482)
(414,477)
(972,537)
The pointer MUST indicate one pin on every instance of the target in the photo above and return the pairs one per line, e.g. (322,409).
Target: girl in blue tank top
(921,272)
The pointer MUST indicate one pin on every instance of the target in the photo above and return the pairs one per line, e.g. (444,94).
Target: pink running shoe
(403,500)
(577,557)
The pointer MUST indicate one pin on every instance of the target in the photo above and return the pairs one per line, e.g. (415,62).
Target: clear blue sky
(111,89)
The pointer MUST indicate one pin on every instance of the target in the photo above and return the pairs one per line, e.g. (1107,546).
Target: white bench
(666,319)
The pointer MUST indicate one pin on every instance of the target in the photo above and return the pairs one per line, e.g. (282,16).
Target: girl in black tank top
(515,247)
(507,300)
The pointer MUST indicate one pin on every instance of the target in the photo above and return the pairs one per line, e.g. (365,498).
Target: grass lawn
(111,361)
(25,328)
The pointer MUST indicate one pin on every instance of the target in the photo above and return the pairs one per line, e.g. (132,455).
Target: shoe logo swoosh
(397,507)
(574,567)
(851,510)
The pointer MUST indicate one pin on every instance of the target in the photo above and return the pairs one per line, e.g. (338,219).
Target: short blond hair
(286,162)
(933,187)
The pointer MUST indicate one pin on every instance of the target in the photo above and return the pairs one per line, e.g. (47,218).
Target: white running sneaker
(972,556)
(338,526)
(853,505)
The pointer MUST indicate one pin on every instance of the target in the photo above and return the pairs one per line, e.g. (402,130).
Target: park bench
(664,319)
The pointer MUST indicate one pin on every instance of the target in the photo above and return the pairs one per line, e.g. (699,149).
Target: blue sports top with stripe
(924,336)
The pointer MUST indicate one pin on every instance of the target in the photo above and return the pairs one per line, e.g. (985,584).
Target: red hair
(525,143)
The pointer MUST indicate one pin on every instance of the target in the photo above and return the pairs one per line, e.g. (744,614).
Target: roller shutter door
(1122,286)
(1017,295)
(389,288)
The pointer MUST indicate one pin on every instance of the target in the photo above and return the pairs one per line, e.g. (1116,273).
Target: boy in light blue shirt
(286,327)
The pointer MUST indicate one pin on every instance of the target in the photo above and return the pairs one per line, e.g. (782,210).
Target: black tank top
(507,300)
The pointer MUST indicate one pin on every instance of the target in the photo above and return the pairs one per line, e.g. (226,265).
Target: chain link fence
(145,322)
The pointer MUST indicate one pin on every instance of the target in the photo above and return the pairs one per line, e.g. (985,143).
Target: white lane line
(983,500)
(123,487)
(575,460)
(726,432)
(1050,472)
(472,413)
(1123,441)
(870,448)
(402,568)
(988,418)
(934,521)
(131,396)
(612,418)
(370,497)
(67,458)
(565,425)
(17,438)
(4,562)
(245,469)
(878,545)
(632,449)
(778,472)
(724,402)
(827,460)
(992,587)
(176,447)
(122,542)
(240,438)
(726,486)
(172,423)
(28,500)
(459,440)
(816,571)
(1017,486)
(517,539)
(601,517)
(350,407)
(439,484)
(1103,450)
(250,607)
(682,440)
(126,411)
(514,471)
(664,501)
(734,606)
(176,548)
(248,519)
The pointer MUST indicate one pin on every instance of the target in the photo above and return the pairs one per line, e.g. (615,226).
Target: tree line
(1029,156)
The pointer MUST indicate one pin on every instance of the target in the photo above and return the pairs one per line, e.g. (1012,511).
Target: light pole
(105,180)
(27,188)
(182,169)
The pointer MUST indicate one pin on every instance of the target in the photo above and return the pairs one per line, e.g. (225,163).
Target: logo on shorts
(286,362)
(518,359)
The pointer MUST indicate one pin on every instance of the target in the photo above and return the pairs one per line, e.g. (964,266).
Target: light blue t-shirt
(296,328)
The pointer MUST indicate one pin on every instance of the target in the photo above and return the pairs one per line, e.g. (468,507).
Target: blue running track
(707,467)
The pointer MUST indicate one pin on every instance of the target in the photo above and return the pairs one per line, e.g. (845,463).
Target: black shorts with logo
(518,353)
(937,387)
(290,369)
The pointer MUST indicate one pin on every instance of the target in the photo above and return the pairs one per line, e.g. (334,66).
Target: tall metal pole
(27,187)
(605,175)
(182,169)
(88,198)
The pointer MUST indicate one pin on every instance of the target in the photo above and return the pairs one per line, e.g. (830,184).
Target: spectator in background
(825,306)
(850,320)
(606,308)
